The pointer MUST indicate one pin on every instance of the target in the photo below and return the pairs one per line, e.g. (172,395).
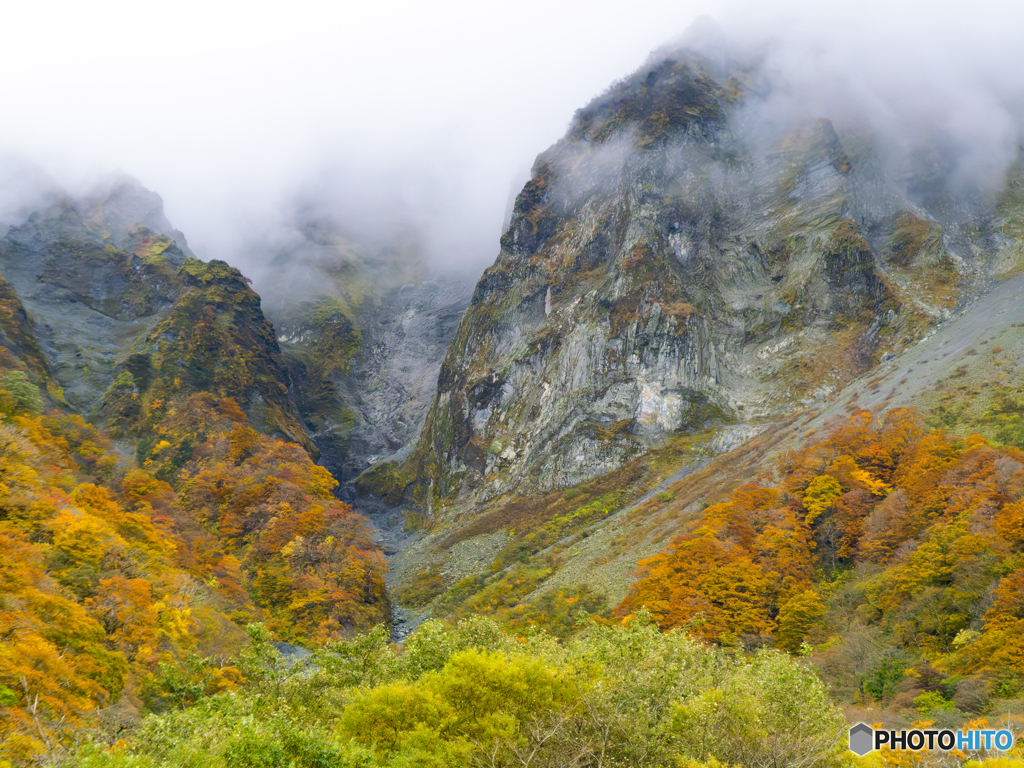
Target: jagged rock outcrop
(671,265)
(85,292)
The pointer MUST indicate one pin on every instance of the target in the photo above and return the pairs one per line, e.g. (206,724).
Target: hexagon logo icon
(862,739)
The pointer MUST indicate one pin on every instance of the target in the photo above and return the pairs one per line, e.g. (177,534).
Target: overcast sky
(226,107)
(427,110)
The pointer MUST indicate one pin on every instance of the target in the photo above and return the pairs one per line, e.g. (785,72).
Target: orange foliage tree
(308,558)
(726,578)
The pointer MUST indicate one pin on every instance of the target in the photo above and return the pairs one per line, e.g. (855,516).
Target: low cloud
(924,78)
(412,121)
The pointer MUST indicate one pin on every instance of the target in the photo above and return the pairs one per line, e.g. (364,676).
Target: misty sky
(395,112)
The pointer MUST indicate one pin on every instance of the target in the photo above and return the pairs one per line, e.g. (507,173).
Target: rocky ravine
(363,331)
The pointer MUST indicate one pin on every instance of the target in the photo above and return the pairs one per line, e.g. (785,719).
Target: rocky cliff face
(87,293)
(669,266)
(126,318)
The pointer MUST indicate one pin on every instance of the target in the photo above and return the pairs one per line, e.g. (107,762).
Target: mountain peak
(672,264)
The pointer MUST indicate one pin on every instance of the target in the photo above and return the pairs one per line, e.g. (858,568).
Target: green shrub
(18,394)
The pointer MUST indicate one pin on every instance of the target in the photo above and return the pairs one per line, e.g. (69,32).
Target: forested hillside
(128,558)
(884,533)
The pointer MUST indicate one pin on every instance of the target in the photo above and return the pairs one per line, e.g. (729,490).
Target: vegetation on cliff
(215,339)
(18,344)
